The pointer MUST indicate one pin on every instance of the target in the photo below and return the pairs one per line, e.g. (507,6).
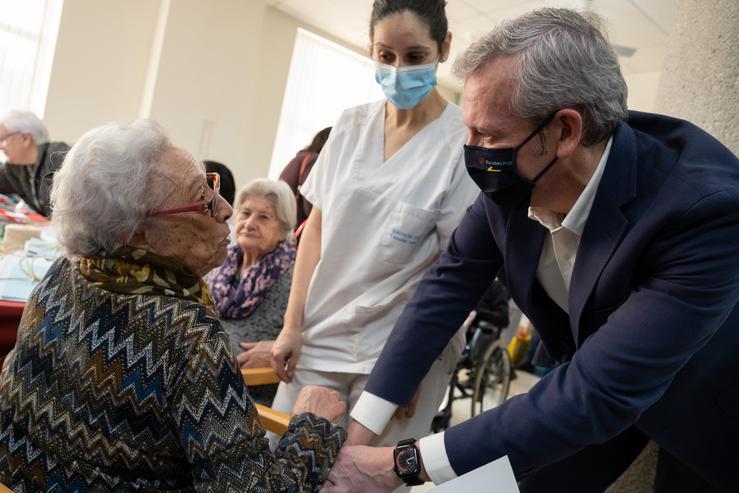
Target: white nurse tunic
(383,225)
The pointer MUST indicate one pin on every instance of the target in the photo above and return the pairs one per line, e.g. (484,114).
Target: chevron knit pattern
(118,392)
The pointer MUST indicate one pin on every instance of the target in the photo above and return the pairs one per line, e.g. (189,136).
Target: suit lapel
(524,241)
(606,223)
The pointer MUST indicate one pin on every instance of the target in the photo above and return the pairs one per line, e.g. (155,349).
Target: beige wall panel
(100,64)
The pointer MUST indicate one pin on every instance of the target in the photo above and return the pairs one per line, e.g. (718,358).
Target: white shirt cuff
(435,460)
(373,412)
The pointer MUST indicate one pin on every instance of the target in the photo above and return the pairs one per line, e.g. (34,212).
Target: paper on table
(496,477)
(19,275)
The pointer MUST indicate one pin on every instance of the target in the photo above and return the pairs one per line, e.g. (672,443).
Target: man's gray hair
(563,61)
(28,123)
(106,185)
(280,196)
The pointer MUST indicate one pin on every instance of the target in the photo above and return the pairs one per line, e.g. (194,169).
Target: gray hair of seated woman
(279,195)
(106,185)
(28,123)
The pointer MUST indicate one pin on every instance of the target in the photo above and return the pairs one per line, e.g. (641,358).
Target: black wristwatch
(407,462)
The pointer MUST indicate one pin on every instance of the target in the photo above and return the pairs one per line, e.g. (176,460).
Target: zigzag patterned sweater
(120,392)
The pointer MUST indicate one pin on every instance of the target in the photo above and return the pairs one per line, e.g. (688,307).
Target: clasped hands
(358,467)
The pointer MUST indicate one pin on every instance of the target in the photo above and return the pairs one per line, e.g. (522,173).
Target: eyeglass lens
(214,184)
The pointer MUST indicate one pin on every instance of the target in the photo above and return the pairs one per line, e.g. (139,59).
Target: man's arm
(627,365)
(621,370)
(444,298)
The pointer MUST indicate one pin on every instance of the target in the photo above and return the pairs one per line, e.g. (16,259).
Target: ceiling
(643,24)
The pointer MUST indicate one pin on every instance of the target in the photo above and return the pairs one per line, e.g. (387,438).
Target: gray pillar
(699,83)
(700,75)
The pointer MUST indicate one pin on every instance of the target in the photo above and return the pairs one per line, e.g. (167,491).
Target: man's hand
(255,355)
(362,470)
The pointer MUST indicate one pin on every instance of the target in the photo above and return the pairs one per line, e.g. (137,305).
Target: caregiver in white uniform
(388,189)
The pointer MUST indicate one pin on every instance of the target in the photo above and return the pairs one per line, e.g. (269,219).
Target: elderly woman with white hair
(252,286)
(122,377)
(31,159)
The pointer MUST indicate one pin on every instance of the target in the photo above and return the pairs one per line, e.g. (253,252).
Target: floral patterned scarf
(134,271)
(237,296)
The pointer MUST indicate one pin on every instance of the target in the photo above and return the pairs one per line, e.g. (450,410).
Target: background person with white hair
(31,159)
(252,286)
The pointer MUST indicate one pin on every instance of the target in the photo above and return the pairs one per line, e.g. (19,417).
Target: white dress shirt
(554,273)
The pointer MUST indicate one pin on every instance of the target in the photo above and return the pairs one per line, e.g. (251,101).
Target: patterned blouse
(109,391)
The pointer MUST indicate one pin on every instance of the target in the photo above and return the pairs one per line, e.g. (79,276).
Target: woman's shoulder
(452,120)
(275,301)
(359,114)
(449,131)
(191,328)
(179,320)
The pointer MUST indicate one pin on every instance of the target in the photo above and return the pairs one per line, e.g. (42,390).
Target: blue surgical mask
(407,86)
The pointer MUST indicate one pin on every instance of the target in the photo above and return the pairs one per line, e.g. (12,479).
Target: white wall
(206,80)
(643,91)
(100,64)
(217,84)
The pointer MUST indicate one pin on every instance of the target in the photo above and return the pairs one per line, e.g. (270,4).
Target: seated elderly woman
(122,377)
(252,286)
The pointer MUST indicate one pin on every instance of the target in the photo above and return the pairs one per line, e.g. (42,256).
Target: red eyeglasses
(214,184)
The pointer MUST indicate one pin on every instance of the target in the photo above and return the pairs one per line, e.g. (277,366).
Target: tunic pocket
(405,230)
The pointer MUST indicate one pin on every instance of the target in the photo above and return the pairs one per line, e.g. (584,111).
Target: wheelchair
(483,374)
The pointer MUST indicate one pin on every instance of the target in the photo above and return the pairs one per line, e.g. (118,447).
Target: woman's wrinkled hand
(363,470)
(255,355)
(320,401)
(286,352)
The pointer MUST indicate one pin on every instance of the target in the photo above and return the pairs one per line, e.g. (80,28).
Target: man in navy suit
(618,233)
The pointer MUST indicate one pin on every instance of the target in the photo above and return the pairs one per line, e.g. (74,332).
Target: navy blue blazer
(652,338)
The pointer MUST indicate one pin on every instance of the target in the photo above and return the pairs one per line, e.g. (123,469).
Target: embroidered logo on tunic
(403,237)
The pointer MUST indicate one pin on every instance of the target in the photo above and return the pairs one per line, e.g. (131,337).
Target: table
(10,317)
(17,278)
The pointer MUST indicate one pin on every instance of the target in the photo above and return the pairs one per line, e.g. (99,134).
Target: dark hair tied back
(430,11)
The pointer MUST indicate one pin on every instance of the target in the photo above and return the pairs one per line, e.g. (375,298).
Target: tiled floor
(461,411)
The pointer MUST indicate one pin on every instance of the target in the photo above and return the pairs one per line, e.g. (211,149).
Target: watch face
(406,461)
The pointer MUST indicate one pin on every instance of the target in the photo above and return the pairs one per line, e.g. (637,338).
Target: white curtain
(324,79)
(28,32)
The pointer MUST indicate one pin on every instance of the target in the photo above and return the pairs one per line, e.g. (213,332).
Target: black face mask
(494,170)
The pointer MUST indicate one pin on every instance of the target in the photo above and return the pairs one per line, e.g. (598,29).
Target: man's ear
(568,125)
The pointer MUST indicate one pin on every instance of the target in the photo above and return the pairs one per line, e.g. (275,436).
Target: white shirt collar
(578,215)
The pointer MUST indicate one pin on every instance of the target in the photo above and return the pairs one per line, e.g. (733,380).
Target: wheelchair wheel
(492,379)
